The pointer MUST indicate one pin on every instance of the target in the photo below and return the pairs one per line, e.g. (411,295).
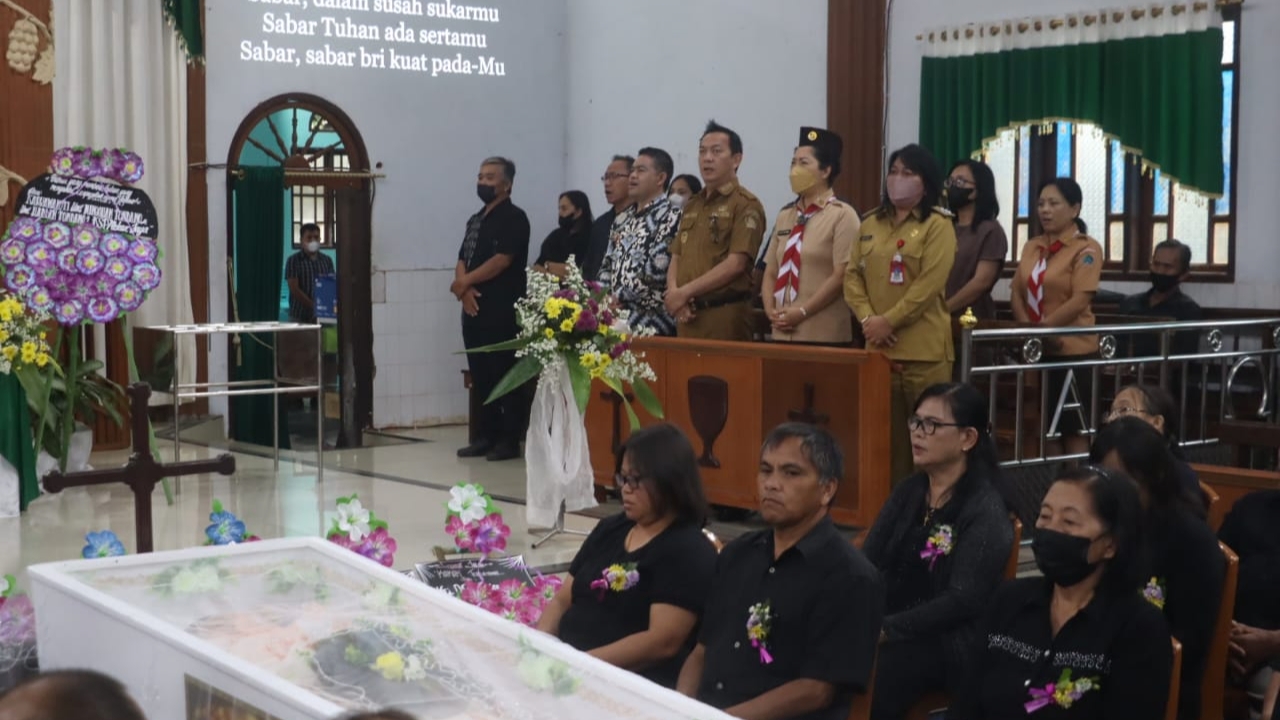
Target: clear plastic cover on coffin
(359,636)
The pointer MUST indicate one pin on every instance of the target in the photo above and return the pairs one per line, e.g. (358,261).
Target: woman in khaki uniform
(807,256)
(1058,275)
(896,285)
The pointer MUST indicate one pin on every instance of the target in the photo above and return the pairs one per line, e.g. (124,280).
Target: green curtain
(16,444)
(259,265)
(1161,97)
(184,16)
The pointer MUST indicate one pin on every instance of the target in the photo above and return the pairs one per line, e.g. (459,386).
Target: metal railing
(1233,374)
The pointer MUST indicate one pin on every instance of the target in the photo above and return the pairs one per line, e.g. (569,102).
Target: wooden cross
(806,414)
(142,472)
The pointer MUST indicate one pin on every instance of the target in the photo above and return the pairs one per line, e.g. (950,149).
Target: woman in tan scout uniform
(1058,274)
(809,251)
(896,285)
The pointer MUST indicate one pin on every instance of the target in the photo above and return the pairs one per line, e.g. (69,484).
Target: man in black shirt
(1170,267)
(617,189)
(488,280)
(301,270)
(791,626)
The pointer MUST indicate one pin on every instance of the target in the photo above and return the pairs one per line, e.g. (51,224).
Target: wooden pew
(1213,686)
(1231,484)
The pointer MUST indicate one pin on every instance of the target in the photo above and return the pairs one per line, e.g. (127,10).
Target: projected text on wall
(434,39)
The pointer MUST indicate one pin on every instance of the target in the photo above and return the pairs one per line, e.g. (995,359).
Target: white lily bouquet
(572,332)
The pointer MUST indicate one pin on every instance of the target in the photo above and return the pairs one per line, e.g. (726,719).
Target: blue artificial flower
(225,530)
(102,544)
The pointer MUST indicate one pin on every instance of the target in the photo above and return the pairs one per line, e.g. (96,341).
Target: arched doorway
(327,181)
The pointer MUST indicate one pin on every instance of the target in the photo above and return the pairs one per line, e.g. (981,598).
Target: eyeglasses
(1119,412)
(614,176)
(958,182)
(631,482)
(928,425)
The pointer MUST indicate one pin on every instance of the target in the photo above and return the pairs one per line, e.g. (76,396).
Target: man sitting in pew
(1170,267)
(792,623)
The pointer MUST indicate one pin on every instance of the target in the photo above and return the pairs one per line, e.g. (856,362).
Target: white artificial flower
(467,501)
(414,669)
(353,519)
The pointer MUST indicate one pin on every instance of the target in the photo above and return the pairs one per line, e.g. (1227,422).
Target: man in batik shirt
(635,267)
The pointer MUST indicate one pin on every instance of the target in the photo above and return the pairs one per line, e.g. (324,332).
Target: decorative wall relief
(23,52)
(709,410)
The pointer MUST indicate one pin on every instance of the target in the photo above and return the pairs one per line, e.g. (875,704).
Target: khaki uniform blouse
(1076,268)
(828,239)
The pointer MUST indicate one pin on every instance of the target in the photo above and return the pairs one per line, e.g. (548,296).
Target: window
(1127,210)
(315,203)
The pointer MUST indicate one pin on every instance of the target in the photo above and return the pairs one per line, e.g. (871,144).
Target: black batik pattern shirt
(826,604)
(635,266)
(1122,645)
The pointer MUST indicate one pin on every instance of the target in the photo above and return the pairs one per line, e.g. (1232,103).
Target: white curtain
(122,82)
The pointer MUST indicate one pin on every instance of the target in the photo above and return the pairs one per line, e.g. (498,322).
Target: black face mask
(1063,558)
(1164,283)
(958,197)
(567,222)
(487,193)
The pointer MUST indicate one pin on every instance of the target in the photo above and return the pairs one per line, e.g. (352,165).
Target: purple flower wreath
(113,164)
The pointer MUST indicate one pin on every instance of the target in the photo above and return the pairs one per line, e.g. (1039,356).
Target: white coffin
(295,628)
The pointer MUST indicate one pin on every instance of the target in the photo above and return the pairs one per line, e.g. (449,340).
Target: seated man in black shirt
(791,626)
(1170,267)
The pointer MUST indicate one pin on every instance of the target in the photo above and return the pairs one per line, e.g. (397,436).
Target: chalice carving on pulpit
(709,410)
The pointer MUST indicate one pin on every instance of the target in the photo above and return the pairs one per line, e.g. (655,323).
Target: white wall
(430,133)
(1257,249)
(653,73)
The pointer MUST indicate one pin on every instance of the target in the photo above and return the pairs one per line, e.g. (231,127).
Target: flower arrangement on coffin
(79,274)
(572,332)
(226,528)
(102,543)
(473,521)
(513,599)
(356,528)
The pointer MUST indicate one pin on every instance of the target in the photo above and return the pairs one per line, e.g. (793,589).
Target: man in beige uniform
(709,279)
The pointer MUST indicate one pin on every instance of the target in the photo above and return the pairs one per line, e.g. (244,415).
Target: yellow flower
(28,352)
(553,306)
(42,359)
(549,333)
(6,315)
(391,665)
(566,326)
(4,335)
(588,360)
(9,352)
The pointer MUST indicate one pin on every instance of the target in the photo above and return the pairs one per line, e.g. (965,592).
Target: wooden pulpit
(727,396)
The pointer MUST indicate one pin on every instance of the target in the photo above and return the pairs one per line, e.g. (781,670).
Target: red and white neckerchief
(787,287)
(1035,283)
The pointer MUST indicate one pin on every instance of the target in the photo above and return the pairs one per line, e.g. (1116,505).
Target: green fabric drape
(1160,96)
(184,16)
(259,265)
(16,444)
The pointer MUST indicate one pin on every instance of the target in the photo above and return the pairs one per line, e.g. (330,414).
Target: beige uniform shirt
(828,238)
(1076,268)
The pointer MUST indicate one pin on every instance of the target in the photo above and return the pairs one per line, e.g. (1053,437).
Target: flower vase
(557,461)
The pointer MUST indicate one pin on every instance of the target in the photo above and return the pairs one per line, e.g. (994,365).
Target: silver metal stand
(558,529)
(272,387)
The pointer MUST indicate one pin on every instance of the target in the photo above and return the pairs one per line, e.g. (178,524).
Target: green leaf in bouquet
(648,400)
(631,412)
(580,379)
(525,370)
(512,344)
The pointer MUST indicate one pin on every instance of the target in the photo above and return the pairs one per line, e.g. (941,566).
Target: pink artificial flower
(529,609)
(460,532)
(513,592)
(379,547)
(493,601)
(489,534)
(474,592)
(546,586)
(341,540)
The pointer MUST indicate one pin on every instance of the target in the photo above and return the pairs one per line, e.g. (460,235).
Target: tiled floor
(405,484)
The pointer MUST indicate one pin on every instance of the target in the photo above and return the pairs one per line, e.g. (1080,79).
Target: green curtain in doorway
(259,265)
(16,443)
(1154,83)
(184,16)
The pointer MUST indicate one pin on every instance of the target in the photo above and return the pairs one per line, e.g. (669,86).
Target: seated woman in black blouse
(937,588)
(572,237)
(1155,406)
(1186,568)
(635,590)
(1079,642)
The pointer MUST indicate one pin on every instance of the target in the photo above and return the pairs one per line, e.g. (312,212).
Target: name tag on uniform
(784,233)
(864,238)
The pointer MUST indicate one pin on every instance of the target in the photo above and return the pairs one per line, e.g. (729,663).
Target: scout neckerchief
(787,287)
(1035,283)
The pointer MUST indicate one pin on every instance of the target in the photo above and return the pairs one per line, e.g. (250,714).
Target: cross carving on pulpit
(142,472)
(806,414)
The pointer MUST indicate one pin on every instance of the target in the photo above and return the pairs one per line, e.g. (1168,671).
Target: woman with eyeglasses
(981,245)
(941,543)
(1079,642)
(636,589)
(1156,407)
(1186,567)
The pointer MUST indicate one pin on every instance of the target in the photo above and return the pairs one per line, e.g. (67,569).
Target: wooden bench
(1231,484)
